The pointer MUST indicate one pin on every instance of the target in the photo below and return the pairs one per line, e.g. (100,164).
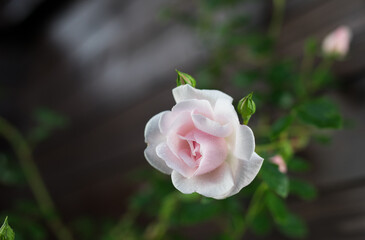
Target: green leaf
(311,46)
(294,227)
(6,233)
(245,78)
(277,208)
(288,223)
(322,139)
(188,213)
(303,189)
(286,150)
(261,223)
(322,77)
(259,44)
(321,113)
(281,125)
(277,181)
(50,118)
(47,121)
(298,165)
(10,172)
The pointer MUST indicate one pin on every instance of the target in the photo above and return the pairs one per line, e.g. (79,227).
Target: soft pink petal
(193,105)
(172,161)
(185,155)
(245,143)
(215,184)
(224,112)
(186,92)
(213,151)
(211,127)
(338,41)
(244,171)
(153,137)
(179,123)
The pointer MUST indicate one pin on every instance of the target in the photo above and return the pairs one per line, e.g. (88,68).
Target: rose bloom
(201,143)
(337,42)
(278,160)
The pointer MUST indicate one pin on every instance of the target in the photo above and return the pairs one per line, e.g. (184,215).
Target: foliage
(6,233)
(290,110)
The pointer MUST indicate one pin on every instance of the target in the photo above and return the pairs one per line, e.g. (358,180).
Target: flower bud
(278,160)
(246,107)
(184,78)
(337,43)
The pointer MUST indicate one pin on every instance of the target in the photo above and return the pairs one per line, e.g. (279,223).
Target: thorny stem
(24,154)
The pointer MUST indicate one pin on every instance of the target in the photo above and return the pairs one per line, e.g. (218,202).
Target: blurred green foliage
(6,233)
(290,111)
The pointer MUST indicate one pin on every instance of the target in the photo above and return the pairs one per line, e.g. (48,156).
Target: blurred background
(107,66)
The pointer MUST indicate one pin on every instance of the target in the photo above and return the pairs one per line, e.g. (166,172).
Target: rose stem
(37,186)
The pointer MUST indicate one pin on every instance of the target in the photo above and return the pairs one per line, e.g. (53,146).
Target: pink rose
(201,143)
(337,42)
(278,160)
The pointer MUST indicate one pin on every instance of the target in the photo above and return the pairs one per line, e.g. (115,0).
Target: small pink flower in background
(201,143)
(278,160)
(337,42)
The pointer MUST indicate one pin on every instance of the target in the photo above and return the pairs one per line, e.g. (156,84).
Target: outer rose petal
(153,137)
(224,112)
(186,92)
(245,142)
(244,171)
(215,184)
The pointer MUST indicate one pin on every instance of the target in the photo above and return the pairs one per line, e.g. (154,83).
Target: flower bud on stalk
(246,107)
(279,161)
(184,78)
(336,44)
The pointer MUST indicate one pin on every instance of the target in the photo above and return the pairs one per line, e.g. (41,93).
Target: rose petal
(224,112)
(153,137)
(172,161)
(185,156)
(213,151)
(245,143)
(186,92)
(180,123)
(193,105)
(244,171)
(215,184)
(211,127)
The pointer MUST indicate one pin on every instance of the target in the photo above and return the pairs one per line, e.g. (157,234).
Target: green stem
(277,18)
(255,206)
(124,228)
(157,230)
(267,147)
(24,154)
(305,69)
(325,65)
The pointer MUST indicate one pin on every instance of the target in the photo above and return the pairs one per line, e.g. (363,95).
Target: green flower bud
(246,107)
(184,78)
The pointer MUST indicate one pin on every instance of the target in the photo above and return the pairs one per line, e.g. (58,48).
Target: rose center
(194,150)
